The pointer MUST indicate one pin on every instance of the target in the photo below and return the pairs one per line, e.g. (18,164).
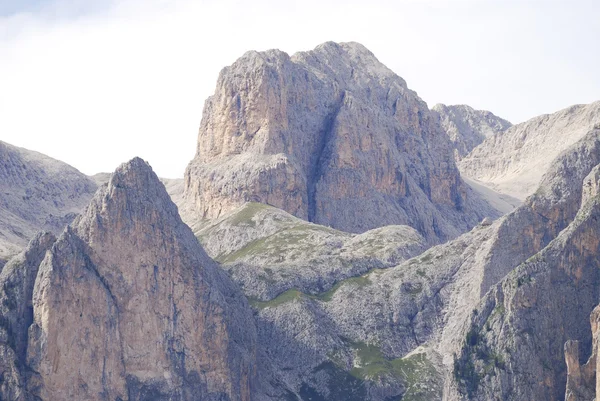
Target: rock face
(333,137)
(514,162)
(268,251)
(359,338)
(127,306)
(583,383)
(515,342)
(468,127)
(36,193)
(16,315)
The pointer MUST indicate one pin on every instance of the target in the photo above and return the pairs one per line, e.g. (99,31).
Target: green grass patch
(246,214)
(285,297)
(279,243)
(416,372)
(358,282)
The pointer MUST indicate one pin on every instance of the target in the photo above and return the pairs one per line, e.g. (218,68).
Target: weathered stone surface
(514,162)
(582,380)
(16,315)
(331,136)
(36,193)
(468,127)
(128,306)
(363,328)
(514,344)
(268,251)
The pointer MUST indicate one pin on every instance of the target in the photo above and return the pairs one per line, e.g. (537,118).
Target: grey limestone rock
(36,193)
(268,251)
(17,280)
(128,306)
(331,136)
(514,161)
(367,326)
(468,127)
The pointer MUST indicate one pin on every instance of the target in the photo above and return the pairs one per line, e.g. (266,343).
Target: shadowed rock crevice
(17,281)
(323,153)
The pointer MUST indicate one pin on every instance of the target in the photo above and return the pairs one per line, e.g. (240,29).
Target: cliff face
(128,306)
(36,193)
(360,337)
(16,315)
(331,136)
(468,127)
(514,162)
(514,347)
(581,378)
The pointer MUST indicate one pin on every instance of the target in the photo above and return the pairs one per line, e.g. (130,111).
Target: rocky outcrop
(513,348)
(581,379)
(514,162)
(364,331)
(268,251)
(468,127)
(127,306)
(333,137)
(16,315)
(36,193)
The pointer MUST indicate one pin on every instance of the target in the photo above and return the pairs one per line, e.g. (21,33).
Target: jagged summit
(133,195)
(331,136)
(135,308)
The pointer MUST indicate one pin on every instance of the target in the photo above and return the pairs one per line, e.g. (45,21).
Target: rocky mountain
(17,280)
(515,340)
(581,378)
(126,306)
(468,127)
(331,136)
(268,251)
(404,331)
(36,193)
(333,252)
(514,162)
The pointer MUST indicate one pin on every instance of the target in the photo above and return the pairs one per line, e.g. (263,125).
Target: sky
(96,83)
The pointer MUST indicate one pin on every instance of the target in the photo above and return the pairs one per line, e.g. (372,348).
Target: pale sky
(97,85)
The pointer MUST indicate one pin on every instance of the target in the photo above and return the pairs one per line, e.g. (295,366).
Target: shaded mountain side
(514,347)
(17,280)
(331,136)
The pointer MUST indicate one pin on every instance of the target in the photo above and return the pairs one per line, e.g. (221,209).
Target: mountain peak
(331,136)
(134,174)
(137,274)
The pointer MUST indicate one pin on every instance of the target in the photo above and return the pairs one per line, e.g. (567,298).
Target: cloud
(95,87)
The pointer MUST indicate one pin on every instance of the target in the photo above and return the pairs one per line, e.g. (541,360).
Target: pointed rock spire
(128,306)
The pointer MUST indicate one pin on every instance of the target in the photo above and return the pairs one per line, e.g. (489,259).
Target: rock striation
(514,346)
(36,193)
(331,136)
(366,332)
(17,280)
(514,162)
(468,127)
(127,306)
